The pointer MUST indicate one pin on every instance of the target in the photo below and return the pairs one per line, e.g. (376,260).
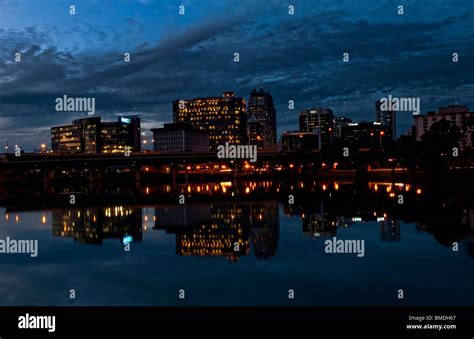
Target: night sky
(176,56)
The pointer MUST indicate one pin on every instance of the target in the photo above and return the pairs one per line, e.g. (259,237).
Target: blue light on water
(127,239)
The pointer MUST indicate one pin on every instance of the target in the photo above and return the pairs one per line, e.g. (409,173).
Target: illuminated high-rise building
(79,137)
(261,107)
(116,135)
(66,139)
(90,135)
(320,121)
(255,132)
(387,118)
(223,118)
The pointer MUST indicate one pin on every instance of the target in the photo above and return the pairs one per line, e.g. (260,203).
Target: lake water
(229,252)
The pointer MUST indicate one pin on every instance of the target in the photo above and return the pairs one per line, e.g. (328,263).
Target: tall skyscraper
(223,118)
(262,108)
(319,120)
(387,118)
(255,132)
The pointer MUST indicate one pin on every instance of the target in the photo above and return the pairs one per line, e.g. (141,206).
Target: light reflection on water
(231,252)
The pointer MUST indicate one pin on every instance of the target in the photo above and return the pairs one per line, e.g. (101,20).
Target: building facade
(261,107)
(67,139)
(372,135)
(117,135)
(179,137)
(386,118)
(320,121)
(90,135)
(223,118)
(255,132)
(460,115)
(93,226)
(339,122)
(294,141)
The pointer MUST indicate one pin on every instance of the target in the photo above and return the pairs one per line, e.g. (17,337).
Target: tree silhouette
(437,145)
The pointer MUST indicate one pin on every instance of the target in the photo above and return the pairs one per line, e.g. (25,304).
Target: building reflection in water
(93,225)
(265,229)
(232,229)
(389,229)
(317,222)
(222,229)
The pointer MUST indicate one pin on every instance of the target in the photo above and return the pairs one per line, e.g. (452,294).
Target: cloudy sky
(295,57)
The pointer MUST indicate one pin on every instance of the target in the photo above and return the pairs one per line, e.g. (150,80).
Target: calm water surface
(192,247)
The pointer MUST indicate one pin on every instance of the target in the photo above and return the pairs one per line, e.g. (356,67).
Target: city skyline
(215,161)
(201,124)
(294,57)
(210,121)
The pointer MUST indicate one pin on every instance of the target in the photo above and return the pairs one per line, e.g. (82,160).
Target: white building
(458,114)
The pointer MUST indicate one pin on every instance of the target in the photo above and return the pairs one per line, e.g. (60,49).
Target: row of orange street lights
(44,219)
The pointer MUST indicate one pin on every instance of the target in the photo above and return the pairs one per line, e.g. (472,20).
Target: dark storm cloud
(296,58)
